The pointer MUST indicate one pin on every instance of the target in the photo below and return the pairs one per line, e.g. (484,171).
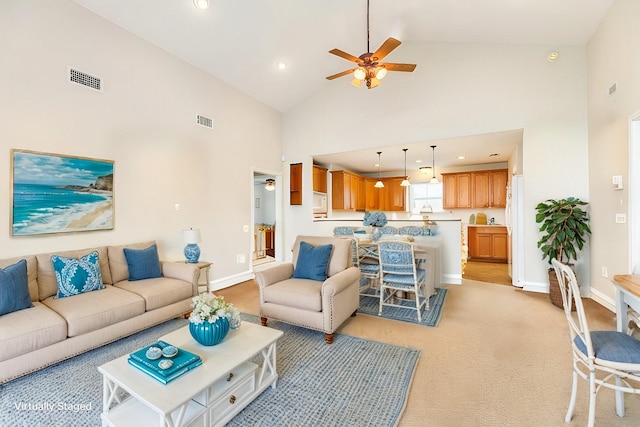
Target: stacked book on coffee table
(163,361)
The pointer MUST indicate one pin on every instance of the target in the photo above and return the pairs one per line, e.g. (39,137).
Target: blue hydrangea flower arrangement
(375,219)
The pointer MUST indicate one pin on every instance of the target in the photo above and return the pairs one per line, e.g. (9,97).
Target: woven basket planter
(555,294)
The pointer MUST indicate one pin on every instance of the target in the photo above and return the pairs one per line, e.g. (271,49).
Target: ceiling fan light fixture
(359,74)
(425,169)
(381,72)
(201,4)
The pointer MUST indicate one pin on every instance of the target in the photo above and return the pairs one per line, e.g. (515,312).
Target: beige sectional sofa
(55,329)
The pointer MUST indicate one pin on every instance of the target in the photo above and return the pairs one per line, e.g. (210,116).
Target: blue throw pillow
(312,262)
(77,275)
(143,263)
(14,288)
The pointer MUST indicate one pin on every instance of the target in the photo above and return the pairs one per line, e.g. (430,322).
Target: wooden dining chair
(398,272)
(603,358)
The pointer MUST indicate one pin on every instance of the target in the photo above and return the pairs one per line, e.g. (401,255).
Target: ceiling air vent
(92,82)
(205,121)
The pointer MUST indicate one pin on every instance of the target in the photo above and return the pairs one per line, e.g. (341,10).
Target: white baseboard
(603,300)
(452,279)
(541,287)
(225,282)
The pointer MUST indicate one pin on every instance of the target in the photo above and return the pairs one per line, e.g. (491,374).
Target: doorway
(265,227)
(489,272)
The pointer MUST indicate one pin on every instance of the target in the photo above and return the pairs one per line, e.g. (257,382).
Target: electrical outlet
(240,259)
(605,273)
(621,218)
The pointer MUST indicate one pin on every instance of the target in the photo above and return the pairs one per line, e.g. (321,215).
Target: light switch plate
(617,182)
(621,218)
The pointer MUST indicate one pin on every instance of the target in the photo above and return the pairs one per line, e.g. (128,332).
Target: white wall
(144,121)
(612,59)
(459,90)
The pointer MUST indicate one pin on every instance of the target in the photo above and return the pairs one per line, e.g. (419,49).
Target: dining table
(426,251)
(627,295)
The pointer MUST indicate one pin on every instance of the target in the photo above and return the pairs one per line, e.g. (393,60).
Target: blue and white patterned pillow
(77,275)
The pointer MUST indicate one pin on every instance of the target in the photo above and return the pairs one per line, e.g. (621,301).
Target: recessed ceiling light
(461,157)
(418,161)
(552,56)
(281,65)
(377,164)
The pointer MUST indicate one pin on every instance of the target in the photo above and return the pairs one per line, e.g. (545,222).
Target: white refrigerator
(515,227)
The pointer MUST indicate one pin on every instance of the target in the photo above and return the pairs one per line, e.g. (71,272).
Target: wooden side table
(204,267)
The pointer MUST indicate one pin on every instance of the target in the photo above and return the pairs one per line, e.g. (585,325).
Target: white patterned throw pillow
(77,275)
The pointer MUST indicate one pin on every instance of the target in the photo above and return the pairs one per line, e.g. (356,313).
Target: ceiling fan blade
(345,55)
(356,82)
(344,73)
(399,67)
(374,82)
(385,49)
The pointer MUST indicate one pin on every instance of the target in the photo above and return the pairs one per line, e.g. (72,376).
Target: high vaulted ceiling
(241,41)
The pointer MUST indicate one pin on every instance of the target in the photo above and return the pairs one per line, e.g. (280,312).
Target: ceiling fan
(370,69)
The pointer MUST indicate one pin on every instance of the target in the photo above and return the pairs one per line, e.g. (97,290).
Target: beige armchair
(322,305)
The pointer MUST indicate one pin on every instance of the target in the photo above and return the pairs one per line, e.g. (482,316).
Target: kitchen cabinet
(478,189)
(319,179)
(456,190)
(498,188)
(396,195)
(488,243)
(372,194)
(391,197)
(350,191)
(347,191)
(295,184)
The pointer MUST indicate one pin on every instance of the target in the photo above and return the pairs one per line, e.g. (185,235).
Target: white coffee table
(208,395)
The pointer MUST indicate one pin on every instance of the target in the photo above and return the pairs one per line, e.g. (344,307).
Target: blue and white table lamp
(192,251)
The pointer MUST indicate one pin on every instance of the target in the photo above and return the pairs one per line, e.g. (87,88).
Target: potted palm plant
(565,226)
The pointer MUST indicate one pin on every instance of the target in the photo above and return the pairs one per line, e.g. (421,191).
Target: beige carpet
(499,357)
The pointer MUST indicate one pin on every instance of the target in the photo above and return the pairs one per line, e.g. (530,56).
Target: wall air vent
(205,121)
(84,79)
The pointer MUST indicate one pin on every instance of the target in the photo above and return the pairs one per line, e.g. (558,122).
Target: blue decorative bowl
(210,333)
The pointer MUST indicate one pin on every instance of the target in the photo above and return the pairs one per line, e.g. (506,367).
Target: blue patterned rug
(431,317)
(350,382)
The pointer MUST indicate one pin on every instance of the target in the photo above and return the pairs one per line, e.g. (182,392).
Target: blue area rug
(350,382)
(431,317)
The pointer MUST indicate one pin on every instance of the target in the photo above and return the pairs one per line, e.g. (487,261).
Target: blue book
(181,360)
(162,378)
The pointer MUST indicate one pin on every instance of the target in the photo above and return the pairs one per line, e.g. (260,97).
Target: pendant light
(379,183)
(405,181)
(434,180)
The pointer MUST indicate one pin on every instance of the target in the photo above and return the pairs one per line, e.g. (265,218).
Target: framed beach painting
(55,193)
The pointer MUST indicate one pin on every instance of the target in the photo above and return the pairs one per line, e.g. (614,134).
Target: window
(422,193)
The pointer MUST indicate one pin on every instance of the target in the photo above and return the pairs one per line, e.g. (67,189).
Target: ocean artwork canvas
(54,193)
